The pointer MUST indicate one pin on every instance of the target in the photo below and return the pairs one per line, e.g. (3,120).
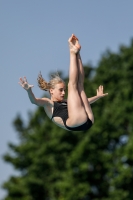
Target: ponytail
(43,85)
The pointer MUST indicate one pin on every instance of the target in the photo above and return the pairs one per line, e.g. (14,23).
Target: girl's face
(58,93)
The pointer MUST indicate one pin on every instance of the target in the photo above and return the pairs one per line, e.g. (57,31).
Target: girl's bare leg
(76,109)
(81,88)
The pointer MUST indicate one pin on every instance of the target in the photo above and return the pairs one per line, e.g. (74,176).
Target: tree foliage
(55,164)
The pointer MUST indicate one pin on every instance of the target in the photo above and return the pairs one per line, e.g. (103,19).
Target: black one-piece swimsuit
(60,110)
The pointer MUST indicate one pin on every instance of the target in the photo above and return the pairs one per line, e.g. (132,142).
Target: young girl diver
(75,113)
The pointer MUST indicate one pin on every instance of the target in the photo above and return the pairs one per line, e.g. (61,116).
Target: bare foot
(74,44)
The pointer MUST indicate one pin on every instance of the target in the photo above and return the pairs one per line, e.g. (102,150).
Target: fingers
(103,95)
(21,84)
(100,91)
(101,87)
(21,80)
(25,79)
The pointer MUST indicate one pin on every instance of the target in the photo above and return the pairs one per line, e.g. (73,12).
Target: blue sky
(33,38)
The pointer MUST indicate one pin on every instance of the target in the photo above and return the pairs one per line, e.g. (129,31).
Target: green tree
(55,164)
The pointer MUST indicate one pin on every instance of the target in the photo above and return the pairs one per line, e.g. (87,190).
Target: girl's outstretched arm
(37,101)
(99,95)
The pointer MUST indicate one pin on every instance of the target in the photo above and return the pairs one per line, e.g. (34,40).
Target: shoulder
(48,101)
(44,102)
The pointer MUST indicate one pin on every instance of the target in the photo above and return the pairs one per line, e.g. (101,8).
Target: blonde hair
(43,85)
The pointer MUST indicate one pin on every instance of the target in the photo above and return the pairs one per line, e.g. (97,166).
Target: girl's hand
(24,83)
(100,91)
